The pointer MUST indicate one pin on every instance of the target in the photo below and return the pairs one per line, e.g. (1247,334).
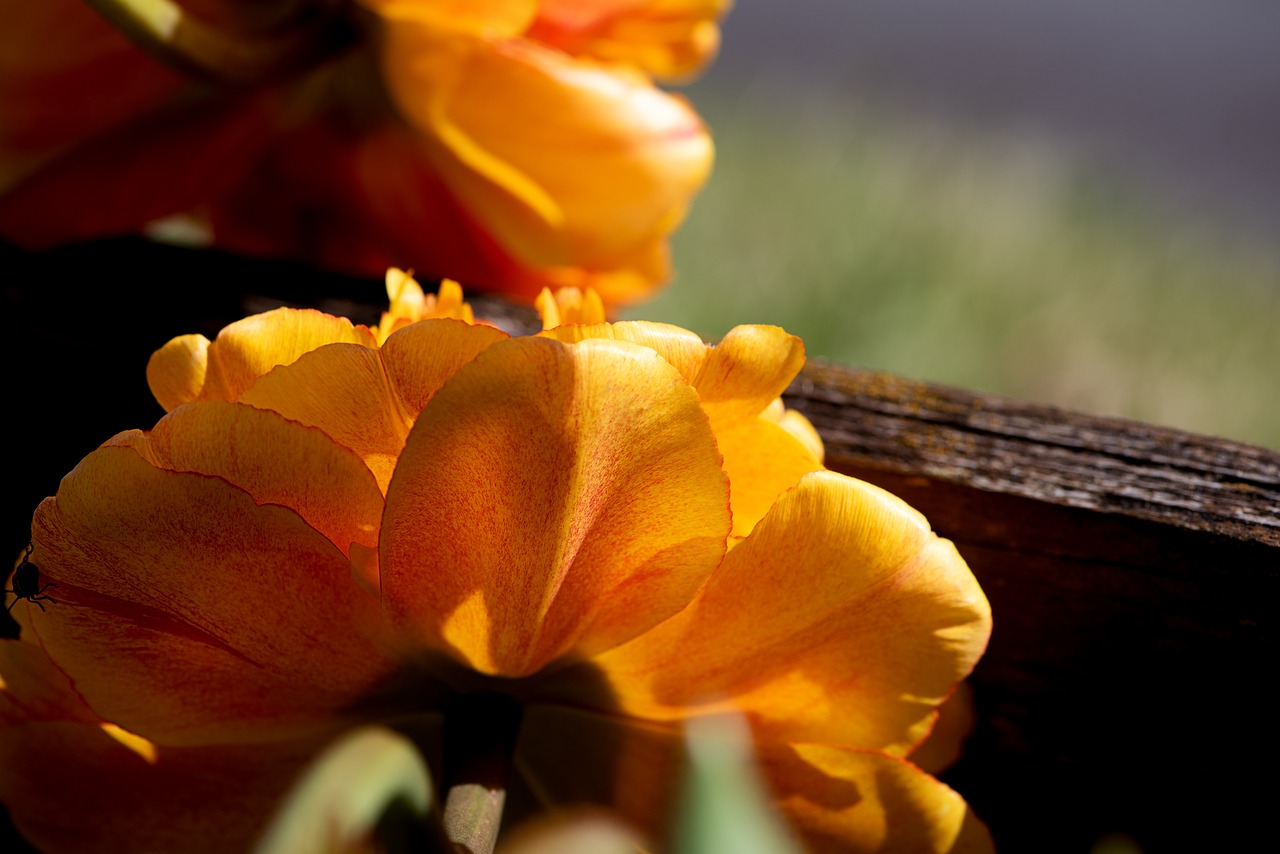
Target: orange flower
(614,524)
(511,145)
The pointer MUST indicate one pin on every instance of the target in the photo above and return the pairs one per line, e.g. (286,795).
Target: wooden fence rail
(1134,577)
(1133,571)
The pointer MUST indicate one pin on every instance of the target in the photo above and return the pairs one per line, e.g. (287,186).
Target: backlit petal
(187,612)
(845,800)
(176,372)
(762,461)
(249,348)
(746,371)
(275,460)
(841,618)
(736,379)
(365,399)
(551,499)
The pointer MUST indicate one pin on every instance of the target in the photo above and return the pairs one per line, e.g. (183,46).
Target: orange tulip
(510,145)
(615,525)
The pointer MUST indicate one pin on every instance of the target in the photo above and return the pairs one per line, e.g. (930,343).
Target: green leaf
(724,804)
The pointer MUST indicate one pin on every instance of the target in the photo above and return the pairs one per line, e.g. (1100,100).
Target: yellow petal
(566,163)
(841,618)
(681,349)
(551,500)
(762,461)
(736,379)
(845,800)
(249,348)
(187,612)
(746,372)
(176,372)
(275,460)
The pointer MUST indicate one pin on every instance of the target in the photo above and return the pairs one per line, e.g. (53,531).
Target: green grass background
(977,259)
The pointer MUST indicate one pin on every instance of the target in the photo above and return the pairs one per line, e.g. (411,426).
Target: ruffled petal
(185,612)
(250,348)
(841,618)
(844,800)
(681,349)
(365,399)
(736,380)
(566,163)
(275,460)
(551,500)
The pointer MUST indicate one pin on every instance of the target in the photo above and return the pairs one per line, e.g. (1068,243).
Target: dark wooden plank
(1133,572)
(1012,447)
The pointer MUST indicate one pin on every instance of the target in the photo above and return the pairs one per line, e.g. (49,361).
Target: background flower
(508,145)
(614,525)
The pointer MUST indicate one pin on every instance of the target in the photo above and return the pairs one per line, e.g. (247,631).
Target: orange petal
(845,800)
(841,618)
(566,163)
(275,460)
(551,499)
(736,379)
(668,38)
(176,372)
(367,400)
(33,690)
(187,612)
(681,349)
(249,348)
(762,461)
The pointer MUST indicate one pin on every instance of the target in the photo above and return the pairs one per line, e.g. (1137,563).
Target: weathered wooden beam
(1134,575)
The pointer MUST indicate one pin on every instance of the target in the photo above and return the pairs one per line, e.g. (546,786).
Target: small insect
(26,583)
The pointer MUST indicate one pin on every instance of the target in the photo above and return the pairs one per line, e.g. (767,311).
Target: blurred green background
(974,253)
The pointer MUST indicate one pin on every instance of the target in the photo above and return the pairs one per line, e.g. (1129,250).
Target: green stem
(307,34)
(479,737)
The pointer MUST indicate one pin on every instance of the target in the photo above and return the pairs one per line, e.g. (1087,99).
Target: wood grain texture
(1134,575)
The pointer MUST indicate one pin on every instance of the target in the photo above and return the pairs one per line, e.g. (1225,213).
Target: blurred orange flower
(510,145)
(616,525)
